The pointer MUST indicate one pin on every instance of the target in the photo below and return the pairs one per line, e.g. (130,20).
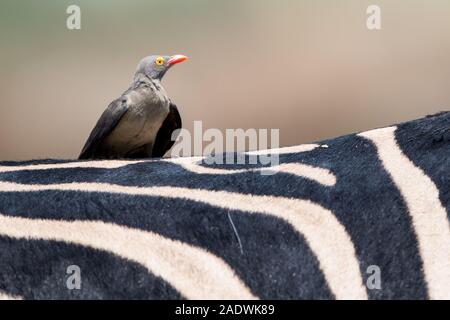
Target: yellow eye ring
(159,61)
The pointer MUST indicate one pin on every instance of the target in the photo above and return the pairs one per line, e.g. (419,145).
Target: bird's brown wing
(163,141)
(107,122)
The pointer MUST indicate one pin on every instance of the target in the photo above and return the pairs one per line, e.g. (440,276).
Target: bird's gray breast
(148,106)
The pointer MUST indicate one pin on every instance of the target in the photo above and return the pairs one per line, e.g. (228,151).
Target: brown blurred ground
(309,68)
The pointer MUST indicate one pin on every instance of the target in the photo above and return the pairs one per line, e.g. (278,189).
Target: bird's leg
(142,152)
(148,149)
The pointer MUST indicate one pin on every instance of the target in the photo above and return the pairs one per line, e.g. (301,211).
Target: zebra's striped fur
(177,228)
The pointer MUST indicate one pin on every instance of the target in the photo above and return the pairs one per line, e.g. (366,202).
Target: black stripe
(36,269)
(277,262)
(426,143)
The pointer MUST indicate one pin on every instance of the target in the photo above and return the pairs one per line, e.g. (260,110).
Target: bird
(143,121)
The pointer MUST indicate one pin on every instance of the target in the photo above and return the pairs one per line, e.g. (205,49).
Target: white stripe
(6,296)
(429,217)
(320,175)
(101,164)
(192,164)
(194,272)
(325,235)
(112,164)
(285,150)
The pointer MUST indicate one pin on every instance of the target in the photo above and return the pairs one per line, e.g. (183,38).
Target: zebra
(184,229)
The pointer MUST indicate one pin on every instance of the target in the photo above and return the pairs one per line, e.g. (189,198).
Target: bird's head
(155,67)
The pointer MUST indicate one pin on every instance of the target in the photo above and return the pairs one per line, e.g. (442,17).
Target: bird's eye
(159,61)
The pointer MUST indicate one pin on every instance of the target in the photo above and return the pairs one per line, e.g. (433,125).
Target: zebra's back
(360,216)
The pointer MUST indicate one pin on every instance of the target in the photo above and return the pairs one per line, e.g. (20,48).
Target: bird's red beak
(176,59)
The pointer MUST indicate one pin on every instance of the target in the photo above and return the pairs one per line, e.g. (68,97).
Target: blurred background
(310,68)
